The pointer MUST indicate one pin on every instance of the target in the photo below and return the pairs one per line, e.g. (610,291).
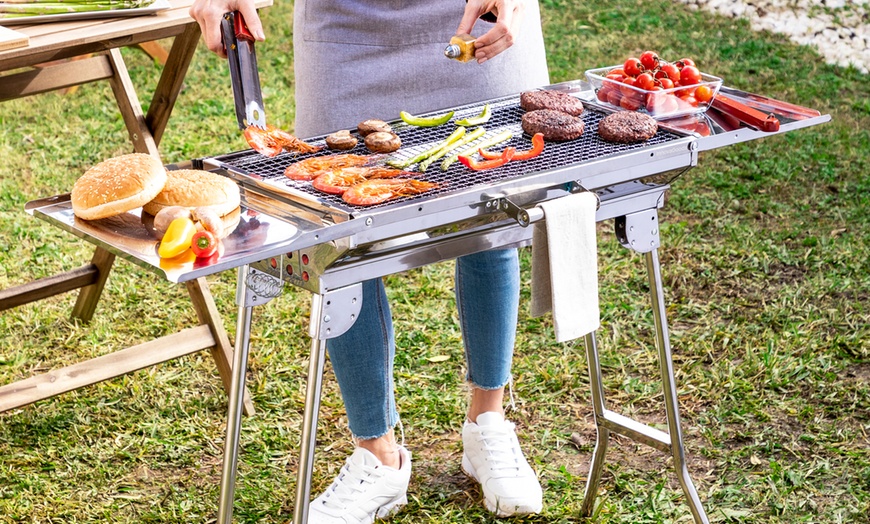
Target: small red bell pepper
(503,159)
(537,149)
(204,244)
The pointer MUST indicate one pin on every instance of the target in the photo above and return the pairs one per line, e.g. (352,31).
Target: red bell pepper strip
(204,244)
(505,157)
(537,149)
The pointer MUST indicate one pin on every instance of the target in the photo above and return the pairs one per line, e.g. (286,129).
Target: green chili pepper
(425,121)
(482,118)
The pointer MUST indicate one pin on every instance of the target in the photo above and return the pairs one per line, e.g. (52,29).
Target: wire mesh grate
(506,116)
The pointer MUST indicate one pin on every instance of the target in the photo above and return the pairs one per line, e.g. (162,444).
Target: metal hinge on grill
(524,216)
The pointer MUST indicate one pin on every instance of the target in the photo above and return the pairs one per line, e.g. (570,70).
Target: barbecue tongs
(239,44)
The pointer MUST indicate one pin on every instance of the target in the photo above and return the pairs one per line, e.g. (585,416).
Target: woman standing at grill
(361,59)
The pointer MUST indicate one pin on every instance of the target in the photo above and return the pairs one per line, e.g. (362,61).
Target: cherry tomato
(689,99)
(617,71)
(649,60)
(627,84)
(603,92)
(630,103)
(616,77)
(689,75)
(204,244)
(614,97)
(685,62)
(663,104)
(632,67)
(703,94)
(645,81)
(666,83)
(652,98)
(672,71)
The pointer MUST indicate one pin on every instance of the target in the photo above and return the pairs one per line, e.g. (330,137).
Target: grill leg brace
(640,233)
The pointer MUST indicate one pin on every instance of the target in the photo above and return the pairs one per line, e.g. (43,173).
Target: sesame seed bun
(117,185)
(194,188)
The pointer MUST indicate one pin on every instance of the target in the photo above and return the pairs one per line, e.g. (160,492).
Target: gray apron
(361,59)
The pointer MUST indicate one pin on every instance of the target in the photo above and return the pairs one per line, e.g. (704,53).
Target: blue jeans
(487,297)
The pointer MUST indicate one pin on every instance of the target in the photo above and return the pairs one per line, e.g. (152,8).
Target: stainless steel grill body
(294,234)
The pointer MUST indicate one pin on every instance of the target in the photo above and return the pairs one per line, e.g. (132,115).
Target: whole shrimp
(376,191)
(338,181)
(271,141)
(313,167)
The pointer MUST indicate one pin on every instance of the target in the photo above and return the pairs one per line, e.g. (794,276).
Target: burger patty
(555,100)
(554,125)
(626,127)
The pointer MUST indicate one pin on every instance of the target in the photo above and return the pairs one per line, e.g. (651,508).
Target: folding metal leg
(640,233)
(308,439)
(252,288)
(669,386)
(234,409)
(603,434)
(332,313)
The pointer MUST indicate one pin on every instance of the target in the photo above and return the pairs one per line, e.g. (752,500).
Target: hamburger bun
(117,185)
(194,188)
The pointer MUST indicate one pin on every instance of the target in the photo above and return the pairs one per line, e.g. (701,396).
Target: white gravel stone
(838,29)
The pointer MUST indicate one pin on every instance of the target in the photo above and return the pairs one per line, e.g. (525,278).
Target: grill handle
(749,116)
(523,216)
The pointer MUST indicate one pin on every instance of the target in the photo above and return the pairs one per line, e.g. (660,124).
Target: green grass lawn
(765,263)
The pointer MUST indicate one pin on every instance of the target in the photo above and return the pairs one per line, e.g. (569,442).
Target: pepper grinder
(461,47)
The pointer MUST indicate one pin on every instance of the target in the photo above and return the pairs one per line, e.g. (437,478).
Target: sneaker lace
(350,482)
(501,447)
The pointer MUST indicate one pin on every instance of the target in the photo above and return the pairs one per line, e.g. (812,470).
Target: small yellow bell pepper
(177,239)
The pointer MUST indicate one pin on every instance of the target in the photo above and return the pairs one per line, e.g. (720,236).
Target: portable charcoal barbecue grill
(292,233)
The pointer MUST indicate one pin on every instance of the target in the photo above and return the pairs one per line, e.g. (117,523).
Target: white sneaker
(364,490)
(492,456)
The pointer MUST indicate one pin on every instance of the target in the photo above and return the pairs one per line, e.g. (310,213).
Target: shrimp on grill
(311,168)
(338,181)
(271,141)
(376,191)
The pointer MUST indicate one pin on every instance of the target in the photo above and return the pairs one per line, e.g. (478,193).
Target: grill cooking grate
(506,116)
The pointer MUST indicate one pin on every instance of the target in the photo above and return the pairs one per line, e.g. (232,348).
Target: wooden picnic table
(41,67)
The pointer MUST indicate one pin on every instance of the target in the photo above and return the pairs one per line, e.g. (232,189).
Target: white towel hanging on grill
(565,265)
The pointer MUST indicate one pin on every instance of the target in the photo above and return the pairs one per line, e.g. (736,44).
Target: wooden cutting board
(10,39)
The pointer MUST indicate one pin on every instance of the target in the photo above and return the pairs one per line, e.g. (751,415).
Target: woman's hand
(509,14)
(209,14)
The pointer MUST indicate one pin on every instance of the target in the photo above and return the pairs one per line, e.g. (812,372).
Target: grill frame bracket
(638,231)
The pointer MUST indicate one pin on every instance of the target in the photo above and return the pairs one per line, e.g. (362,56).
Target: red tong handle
(241,28)
(744,113)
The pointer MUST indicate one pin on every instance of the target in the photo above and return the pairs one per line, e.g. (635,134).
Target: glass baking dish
(660,104)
